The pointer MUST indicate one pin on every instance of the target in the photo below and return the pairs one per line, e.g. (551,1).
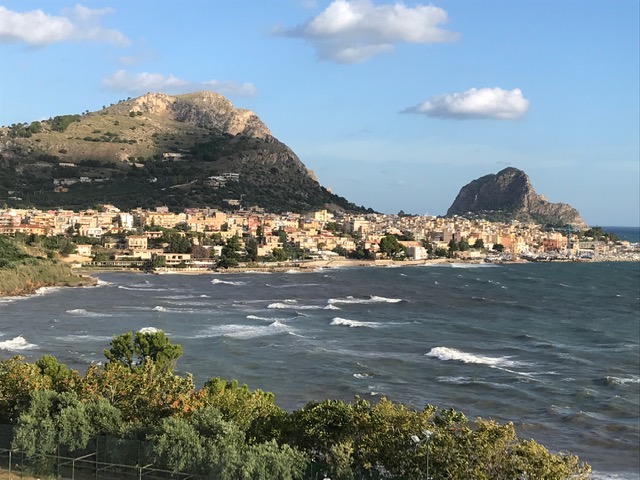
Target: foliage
(227,431)
(230,253)
(390,246)
(134,350)
(498,247)
(60,123)
(599,235)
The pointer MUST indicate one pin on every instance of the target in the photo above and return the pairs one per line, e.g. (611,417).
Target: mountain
(191,150)
(509,195)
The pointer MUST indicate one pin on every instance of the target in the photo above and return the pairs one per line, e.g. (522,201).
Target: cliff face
(510,193)
(203,109)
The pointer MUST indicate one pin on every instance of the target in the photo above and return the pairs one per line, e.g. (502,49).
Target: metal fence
(103,458)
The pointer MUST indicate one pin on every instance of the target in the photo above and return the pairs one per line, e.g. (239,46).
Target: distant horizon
(393,105)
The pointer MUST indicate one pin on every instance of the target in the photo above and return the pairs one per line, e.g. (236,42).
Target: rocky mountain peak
(510,194)
(203,109)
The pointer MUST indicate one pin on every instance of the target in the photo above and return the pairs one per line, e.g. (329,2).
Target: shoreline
(312,265)
(86,275)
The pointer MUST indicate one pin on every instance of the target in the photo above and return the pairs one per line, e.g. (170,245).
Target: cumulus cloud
(138,83)
(352,31)
(36,28)
(492,103)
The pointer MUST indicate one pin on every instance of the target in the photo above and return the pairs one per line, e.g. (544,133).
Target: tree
(132,351)
(453,247)
(479,244)
(230,253)
(251,246)
(498,247)
(59,373)
(391,246)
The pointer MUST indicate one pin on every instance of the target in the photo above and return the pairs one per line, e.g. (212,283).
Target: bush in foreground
(227,431)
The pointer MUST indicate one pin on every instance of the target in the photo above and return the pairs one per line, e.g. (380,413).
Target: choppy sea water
(554,348)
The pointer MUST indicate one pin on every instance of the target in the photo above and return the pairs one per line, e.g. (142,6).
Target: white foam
(362,375)
(293,306)
(159,308)
(623,380)
(217,281)
(371,299)
(149,330)
(353,323)
(244,331)
(331,307)
(472,265)
(142,289)
(265,319)
(445,353)
(85,338)
(46,290)
(84,313)
(16,344)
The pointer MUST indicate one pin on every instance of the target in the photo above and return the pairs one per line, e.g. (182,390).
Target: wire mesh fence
(102,458)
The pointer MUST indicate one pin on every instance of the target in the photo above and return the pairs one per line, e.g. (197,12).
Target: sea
(552,347)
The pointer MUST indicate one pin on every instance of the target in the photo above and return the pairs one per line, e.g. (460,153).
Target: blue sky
(393,105)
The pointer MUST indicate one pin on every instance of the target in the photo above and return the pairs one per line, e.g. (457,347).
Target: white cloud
(36,28)
(492,103)
(138,83)
(352,31)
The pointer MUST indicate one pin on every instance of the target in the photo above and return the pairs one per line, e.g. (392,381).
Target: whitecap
(362,375)
(612,380)
(445,353)
(331,307)
(142,289)
(473,265)
(149,330)
(16,344)
(353,323)
(217,281)
(85,338)
(292,305)
(84,313)
(371,299)
(159,308)
(244,331)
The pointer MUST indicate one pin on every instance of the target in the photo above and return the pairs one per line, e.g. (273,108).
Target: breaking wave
(85,313)
(293,306)
(371,299)
(16,343)
(149,330)
(353,323)
(445,353)
(217,281)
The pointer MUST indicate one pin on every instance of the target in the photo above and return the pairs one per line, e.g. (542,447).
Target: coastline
(84,276)
(30,287)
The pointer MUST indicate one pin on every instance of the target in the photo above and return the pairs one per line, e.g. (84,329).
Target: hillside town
(195,239)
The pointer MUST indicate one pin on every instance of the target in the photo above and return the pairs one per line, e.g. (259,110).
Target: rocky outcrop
(509,193)
(203,109)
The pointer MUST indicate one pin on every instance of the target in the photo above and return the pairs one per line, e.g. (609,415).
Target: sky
(394,105)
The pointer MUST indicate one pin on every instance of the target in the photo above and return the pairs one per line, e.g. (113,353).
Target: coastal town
(195,239)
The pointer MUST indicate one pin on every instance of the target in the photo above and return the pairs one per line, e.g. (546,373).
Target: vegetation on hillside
(227,431)
(23,273)
(131,160)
